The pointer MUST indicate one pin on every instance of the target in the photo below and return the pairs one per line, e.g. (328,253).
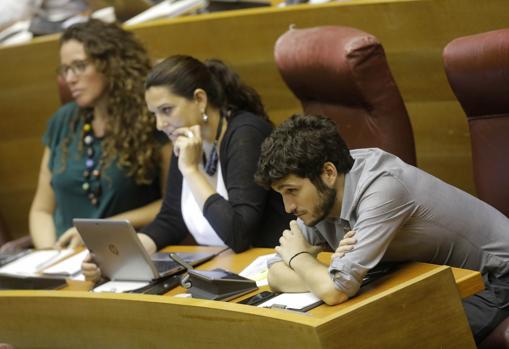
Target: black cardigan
(252,216)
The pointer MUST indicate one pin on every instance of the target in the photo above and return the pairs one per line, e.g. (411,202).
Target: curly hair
(300,146)
(124,62)
(225,91)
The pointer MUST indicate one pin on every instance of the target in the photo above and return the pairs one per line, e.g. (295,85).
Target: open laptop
(121,256)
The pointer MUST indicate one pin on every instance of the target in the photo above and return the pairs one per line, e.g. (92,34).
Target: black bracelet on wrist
(295,255)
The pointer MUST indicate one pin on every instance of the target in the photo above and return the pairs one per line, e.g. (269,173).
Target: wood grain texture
(413,33)
(393,319)
(418,306)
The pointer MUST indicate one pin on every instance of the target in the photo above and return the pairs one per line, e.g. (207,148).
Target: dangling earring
(210,164)
(204,117)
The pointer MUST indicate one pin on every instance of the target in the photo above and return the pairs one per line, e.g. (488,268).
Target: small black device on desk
(379,271)
(218,284)
(160,286)
(259,298)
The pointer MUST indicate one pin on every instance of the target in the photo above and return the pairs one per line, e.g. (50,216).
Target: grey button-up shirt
(401,213)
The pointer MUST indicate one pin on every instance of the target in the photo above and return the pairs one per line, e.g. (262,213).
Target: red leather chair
(477,67)
(499,338)
(342,73)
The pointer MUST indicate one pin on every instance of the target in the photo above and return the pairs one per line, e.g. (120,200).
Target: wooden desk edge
(302,318)
(468,282)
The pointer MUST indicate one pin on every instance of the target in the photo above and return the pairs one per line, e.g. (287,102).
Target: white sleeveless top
(196,223)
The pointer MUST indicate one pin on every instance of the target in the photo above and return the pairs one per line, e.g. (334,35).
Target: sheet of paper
(165,9)
(120,286)
(68,267)
(257,270)
(33,263)
(292,300)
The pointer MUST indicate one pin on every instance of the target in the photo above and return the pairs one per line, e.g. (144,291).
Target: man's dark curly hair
(300,146)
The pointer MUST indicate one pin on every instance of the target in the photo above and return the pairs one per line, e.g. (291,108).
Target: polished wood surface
(467,281)
(417,306)
(413,32)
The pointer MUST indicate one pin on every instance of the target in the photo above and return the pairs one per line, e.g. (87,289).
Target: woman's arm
(189,150)
(237,219)
(41,224)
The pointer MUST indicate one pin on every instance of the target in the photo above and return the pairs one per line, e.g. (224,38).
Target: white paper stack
(166,9)
(35,262)
(257,270)
(68,267)
(120,286)
(293,301)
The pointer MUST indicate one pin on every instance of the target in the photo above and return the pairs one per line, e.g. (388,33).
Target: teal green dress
(120,192)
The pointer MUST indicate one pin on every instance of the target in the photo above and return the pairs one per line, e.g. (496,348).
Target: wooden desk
(418,306)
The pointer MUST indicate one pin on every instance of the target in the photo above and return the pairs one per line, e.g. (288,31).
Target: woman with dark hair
(103,155)
(216,124)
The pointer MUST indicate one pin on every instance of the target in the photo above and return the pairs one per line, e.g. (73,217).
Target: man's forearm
(283,279)
(315,277)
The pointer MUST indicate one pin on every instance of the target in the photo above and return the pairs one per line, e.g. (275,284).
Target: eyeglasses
(77,67)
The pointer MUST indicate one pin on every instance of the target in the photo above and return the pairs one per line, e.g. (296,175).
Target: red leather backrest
(342,73)
(477,67)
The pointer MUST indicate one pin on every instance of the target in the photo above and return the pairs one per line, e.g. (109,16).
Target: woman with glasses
(103,155)
(216,125)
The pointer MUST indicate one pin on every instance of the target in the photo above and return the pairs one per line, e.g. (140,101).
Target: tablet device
(219,284)
(121,256)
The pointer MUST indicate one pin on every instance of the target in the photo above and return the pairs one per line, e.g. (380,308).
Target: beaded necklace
(92,173)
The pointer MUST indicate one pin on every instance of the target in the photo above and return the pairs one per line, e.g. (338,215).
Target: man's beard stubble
(324,207)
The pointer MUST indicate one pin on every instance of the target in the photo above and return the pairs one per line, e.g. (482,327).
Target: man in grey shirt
(398,213)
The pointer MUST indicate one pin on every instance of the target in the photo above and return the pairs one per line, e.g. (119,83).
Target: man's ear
(329,174)
(201,98)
